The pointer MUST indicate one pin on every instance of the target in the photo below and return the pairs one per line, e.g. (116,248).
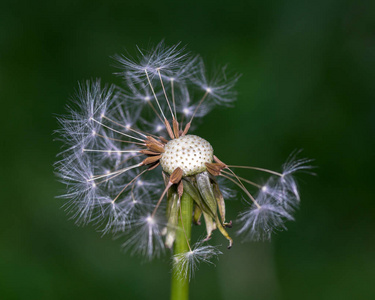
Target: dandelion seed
(187,263)
(260,222)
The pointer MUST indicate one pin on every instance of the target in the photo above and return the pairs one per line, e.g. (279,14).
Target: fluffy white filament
(187,263)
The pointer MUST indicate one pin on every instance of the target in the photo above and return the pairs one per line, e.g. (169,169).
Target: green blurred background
(308,82)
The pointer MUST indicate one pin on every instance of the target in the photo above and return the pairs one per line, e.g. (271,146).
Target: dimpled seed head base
(189,152)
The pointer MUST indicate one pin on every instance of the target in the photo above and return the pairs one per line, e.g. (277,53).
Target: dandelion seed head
(189,152)
(125,148)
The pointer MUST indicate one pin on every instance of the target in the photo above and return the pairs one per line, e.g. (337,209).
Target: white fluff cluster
(275,202)
(187,263)
(181,72)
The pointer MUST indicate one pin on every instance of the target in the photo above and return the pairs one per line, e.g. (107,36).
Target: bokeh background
(308,82)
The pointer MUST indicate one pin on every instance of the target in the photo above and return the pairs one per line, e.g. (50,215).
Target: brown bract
(155,147)
(215,168)
(176,176)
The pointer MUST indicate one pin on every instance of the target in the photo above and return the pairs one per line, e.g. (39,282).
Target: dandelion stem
(183,227)
(180,286)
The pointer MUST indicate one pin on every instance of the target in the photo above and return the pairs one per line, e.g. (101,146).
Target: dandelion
(132,167)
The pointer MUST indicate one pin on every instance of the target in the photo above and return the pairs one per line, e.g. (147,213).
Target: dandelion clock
(133,167)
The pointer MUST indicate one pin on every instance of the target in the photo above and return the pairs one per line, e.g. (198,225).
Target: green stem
(180,286)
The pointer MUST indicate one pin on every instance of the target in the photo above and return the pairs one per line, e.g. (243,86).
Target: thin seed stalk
(180,286)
